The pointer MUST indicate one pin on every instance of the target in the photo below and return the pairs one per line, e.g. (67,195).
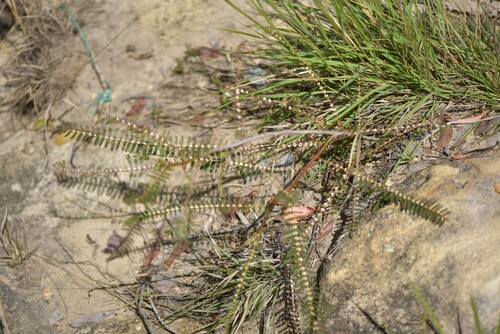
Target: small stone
(47,294)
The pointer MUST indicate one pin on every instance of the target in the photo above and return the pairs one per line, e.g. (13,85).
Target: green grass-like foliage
(433,320)
(15,248)
(407,54)
(351,82)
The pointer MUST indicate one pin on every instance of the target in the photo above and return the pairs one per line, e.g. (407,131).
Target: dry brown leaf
(114,241)
(138,106)
(327,229)
(481,127)
(473,118)
(61,139)
(459,156)
(178,249)
(294,213)
(445,138)
(143,56)
(153,253)
(206,52)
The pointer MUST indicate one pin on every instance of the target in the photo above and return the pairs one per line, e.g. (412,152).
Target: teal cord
(106,94)
(81,33)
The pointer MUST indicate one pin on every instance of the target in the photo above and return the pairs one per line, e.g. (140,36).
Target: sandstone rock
(367,283)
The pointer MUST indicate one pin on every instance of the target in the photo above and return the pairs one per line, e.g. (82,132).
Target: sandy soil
(50,293)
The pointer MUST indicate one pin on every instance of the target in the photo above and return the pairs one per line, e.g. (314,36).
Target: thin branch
(157,314)
(337,134)
(143,316)
(473,120)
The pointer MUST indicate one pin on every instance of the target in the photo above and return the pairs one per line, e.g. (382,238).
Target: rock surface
(368,281)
